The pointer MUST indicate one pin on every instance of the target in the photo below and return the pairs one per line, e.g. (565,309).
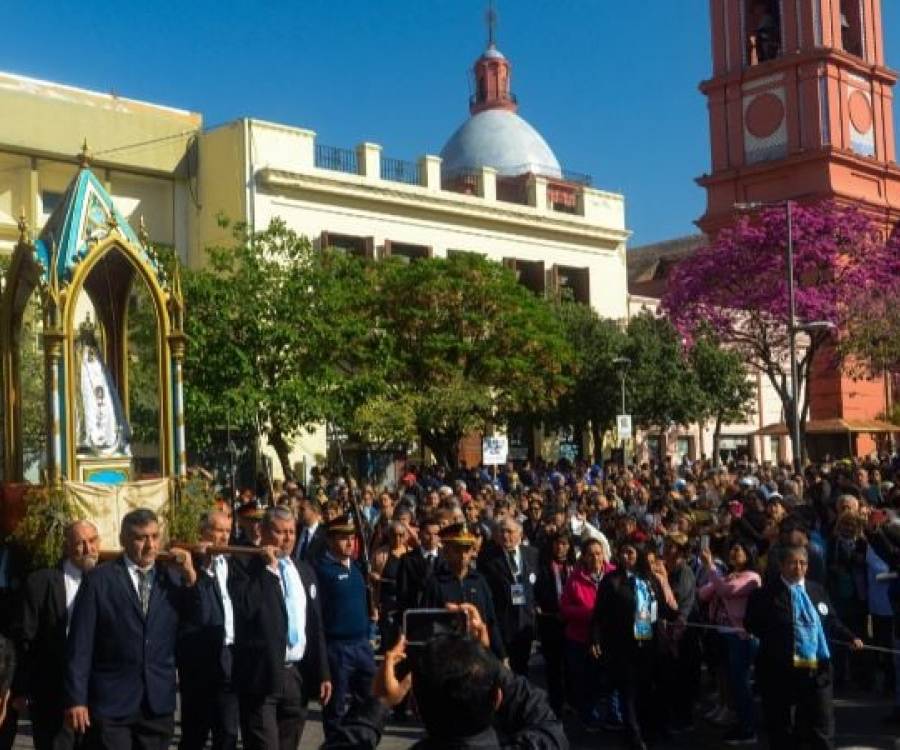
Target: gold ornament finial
(84,156)
(22,224)
(143,234)
(111,221)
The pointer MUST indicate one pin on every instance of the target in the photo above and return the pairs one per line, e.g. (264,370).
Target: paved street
(859,725)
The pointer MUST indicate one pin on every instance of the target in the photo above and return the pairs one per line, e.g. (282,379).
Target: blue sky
(612,86)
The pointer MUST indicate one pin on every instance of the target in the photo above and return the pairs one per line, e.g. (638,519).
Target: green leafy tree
(662,388)
(465,346)
(727,393)
(593,400)
(32,377)
(143,369)
(278,338)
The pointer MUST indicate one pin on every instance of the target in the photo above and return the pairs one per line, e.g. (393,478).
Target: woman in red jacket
(596,705)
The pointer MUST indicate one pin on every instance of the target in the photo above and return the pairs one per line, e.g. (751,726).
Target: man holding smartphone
(466,698)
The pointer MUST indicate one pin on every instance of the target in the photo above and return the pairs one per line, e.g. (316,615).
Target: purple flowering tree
(737,286)
(871,342)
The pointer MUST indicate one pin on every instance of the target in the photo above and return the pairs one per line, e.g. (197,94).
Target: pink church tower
(800,107)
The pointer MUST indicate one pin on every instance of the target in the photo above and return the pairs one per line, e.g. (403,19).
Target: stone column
(430,172)
(53,357)
(537,192)
(368,160)
(180,447)
(306,158)
(487,183)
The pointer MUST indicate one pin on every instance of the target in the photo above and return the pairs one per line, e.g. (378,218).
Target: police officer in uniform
(249,524)
(457,582)
(345,616)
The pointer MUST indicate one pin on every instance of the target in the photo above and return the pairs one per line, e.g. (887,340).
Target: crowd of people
(656,596)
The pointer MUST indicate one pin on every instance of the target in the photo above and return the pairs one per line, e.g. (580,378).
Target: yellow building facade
(144,154)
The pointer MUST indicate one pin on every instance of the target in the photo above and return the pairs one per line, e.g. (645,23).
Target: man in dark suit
(7,667)
(792,617)
(279,655)
(40,633)
(209,703)
(312,539)
(120,672)
(511,575)
(12,577)
(418,565)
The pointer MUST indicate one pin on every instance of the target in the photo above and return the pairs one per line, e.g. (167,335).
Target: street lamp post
(796,453)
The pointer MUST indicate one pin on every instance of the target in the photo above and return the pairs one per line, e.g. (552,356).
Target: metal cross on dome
(491,17)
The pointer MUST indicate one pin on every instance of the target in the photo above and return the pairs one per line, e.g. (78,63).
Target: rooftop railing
(398,170)
(336,159)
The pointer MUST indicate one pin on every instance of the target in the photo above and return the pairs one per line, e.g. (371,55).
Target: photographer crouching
(465,697)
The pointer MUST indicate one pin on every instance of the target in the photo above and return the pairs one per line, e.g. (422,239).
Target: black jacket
(117,658)
(524,721)
(444,588)
(316,547)
(201,654)
(40,637)
(512,618)
(770,618)
(261,631)
(612,624)
(546,596)
(412,577)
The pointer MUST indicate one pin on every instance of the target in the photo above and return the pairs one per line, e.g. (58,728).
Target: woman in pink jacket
(728,597)
(576,607)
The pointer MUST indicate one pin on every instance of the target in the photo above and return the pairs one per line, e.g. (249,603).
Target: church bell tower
(800,107)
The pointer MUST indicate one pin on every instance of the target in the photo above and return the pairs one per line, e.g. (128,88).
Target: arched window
(763,26)
(852,39)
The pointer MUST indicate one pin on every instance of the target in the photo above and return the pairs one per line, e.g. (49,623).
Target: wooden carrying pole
(167,556)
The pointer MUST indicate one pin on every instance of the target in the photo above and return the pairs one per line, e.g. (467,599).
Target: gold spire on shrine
(85,156)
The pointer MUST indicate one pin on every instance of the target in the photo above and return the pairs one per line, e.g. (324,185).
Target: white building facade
(497,190)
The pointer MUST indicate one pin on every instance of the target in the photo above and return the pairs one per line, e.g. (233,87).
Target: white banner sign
(494,450)
(623,426)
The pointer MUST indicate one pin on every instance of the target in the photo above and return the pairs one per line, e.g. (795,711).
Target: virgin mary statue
(103,430)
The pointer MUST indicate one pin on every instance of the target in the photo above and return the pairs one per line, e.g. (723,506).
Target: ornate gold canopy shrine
(87,246)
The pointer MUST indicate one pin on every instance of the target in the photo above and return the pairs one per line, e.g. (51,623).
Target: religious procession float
(92,334)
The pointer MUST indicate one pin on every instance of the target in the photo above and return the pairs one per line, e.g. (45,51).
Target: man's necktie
(144,589)
(513,565)
(304,543)
(290,601)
